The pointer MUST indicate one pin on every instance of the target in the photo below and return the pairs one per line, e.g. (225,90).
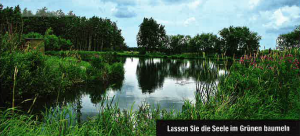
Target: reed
(14,86)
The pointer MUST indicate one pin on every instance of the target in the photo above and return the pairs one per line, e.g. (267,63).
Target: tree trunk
(90,43)
(102,44)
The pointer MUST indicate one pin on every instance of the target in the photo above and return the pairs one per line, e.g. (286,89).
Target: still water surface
(166,82)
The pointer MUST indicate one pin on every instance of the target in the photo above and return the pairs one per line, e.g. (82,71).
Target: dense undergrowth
(27,73)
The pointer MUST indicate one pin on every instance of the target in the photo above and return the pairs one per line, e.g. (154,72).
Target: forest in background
(91,34)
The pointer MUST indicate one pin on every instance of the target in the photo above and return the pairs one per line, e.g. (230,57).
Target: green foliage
(178,43)
(289,40)
(64,44)
(10,20)
(116,71)
(151,35)
(142,51)
(9,42)
(206,42)
(268,82)
(86,34)
(239,40)
(97,62)
(47,75)
(52,42)
(33,35)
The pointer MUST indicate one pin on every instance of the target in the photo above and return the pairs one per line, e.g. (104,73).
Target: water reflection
(167,82)
(151,73)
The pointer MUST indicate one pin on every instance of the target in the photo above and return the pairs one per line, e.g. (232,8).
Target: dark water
(166,82)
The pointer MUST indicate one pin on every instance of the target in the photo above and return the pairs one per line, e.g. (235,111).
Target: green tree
(151,35)
(289,40)
(239,40)
(206,42)
(52,42)
(178,43)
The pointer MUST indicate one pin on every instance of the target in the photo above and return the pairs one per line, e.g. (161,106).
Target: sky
(269,18)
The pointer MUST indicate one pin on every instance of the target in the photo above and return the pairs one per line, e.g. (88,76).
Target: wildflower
(242,61)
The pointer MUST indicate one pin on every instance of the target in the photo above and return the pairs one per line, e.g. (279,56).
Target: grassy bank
(258,87)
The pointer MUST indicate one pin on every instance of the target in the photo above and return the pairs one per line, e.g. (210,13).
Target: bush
(54,43)
(33,75)
(64,44)
(33,35)
(142,51)
(116,71)
(97,62)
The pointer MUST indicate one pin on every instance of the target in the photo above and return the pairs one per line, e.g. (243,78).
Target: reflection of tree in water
(96,93)
(151,74)
(177,69)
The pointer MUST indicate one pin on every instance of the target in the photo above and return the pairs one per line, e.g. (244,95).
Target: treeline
(229,41)
(232,40)
(91,34)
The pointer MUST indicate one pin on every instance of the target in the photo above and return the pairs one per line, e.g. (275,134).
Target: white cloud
(253,3)
(123,12)
(279,18)
(253,18)
(282,17)
(293,11)
(194,4)
(189,21)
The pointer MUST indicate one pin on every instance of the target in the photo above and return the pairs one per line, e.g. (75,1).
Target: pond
(154,81)
(164,82)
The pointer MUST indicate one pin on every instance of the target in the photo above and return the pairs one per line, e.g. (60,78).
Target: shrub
(97,62)
(116,71)
(142,51)
(33,35)
(54,43)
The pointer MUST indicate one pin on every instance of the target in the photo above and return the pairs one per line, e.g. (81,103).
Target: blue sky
(269,18)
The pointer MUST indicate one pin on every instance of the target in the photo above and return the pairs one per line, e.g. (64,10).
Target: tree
(178,43)
(289,40)
(151,35)
(42,12)
(27,12)
(239,40)
(206,42)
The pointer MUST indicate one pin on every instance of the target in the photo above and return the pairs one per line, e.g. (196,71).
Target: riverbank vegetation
(31,73)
